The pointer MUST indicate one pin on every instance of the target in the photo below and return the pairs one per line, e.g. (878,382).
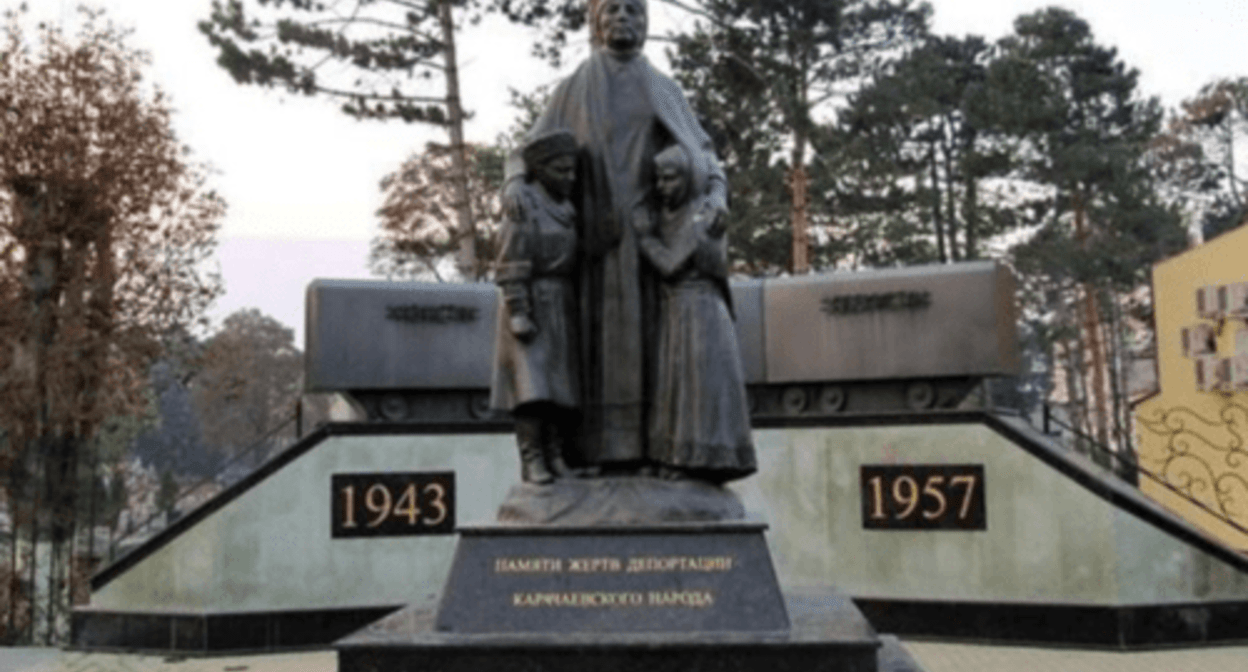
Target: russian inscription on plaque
(923,497)
(713,578)
(392,504)
(854,304)
(448,313)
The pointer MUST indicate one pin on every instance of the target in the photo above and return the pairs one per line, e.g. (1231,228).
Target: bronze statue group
(616,352)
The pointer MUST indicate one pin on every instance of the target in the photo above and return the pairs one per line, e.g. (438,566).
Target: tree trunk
(936,209)
(801,237)
(466,258)
(1123,444)
(970,213)
(59,473)
(1067,313)
(1096,347)
(1092,334)
(799,180)
(91,515)
(12,579)
(951,203)
(34,564)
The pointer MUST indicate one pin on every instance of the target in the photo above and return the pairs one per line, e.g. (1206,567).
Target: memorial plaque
(713,577)
(392,504)
(923,497)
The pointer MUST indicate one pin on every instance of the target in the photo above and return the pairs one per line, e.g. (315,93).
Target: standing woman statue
(621,112)
(536,375)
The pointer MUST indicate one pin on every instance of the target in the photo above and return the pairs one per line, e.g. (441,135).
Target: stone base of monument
(622,500)
(650,598)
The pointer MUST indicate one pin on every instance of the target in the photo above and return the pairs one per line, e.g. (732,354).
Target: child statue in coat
(536,348)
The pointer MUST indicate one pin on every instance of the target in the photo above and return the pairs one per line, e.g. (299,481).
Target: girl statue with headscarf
(699,422)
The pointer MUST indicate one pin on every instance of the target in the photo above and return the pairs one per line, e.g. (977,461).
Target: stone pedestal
(650,598)
(625,500)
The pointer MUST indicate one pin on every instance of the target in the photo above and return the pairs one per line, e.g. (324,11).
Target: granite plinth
(826,634)
(625,500)
(664,578)
(650,598)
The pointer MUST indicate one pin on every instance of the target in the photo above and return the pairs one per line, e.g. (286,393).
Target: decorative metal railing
(1169,472)
(1202,458)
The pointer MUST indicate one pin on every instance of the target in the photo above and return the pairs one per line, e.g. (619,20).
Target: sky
(301,178)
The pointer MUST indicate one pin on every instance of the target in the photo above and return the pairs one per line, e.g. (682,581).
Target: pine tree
(394,59)
(790,59)
(919,149)
(1086,133)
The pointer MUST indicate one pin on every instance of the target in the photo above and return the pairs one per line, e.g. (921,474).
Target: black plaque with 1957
(923,497)
(390,504)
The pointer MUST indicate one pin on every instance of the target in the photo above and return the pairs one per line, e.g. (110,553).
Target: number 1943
(923,497)
(392,504)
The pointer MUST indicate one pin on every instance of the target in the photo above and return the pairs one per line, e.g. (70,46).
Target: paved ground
(932,657)
(977,658)
(51,660)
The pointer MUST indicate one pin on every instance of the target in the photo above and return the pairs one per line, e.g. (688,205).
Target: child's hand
(710,219)
(718,225)
(522,327)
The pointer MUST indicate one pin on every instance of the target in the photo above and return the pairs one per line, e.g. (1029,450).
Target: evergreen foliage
(1087,132)
(761,73)
(395,59)
(387,52)
(922,151)
(1085,135)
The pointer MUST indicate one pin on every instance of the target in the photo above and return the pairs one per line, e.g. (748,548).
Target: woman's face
(622,24)
(558,175)
(672,184)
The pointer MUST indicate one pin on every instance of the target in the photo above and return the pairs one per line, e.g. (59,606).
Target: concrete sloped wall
(1048,539)
(270,549)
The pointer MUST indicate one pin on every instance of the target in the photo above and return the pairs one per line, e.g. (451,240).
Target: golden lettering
(594,565)
(930,488)
(406,506)
(382,508)
(680,563)
(877,511)
(528,565)
(587,599)
(437,503)
(697,599)
(911,500)
(969,482)
(349,506)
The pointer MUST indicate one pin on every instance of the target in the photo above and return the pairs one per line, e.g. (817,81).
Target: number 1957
(918,497)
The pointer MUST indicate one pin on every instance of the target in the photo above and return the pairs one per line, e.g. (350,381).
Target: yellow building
(1192,435)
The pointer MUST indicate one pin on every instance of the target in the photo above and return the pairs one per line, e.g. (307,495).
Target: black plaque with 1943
(390,504)
(923,497)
